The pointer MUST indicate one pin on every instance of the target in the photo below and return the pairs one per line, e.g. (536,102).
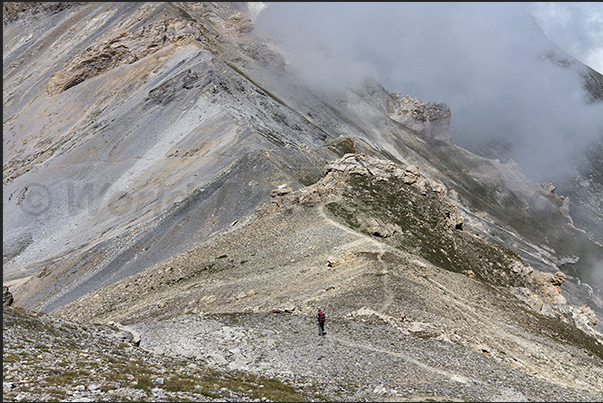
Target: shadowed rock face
(160,160)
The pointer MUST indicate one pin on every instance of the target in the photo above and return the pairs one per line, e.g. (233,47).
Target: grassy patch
(67,377)
(424,219)
(342,146)
(144,382)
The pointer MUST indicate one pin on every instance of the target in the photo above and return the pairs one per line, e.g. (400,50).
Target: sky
(575,27)
(481,59)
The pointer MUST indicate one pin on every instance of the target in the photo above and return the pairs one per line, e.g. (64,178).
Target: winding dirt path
(366,239)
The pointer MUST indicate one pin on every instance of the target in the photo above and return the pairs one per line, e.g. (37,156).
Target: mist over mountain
(485,60)
(194,180)
(575,27)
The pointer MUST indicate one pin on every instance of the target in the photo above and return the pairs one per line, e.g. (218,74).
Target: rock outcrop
(126,48)
(431,120)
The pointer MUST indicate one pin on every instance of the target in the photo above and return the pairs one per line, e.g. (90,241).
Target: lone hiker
(320,316)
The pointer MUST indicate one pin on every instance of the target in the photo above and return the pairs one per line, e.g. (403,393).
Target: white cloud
(479,58)
(255,8)
(575,27)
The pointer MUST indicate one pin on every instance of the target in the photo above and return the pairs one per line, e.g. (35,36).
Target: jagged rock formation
(126,48)
(431,120)
(202,189)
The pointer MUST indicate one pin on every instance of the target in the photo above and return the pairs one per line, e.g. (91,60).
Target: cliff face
(161,161)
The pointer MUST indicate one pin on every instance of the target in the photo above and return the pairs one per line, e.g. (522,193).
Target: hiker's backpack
(321,317)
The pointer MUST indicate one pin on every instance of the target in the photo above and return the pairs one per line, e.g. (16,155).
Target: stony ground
(362,358)
(257,357)
(398,327)
(50,359)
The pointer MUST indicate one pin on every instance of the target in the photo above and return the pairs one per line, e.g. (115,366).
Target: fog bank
(484,60)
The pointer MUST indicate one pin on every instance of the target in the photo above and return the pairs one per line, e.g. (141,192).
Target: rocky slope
(209,201)
(51,359)
(348,245)
(277,356)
